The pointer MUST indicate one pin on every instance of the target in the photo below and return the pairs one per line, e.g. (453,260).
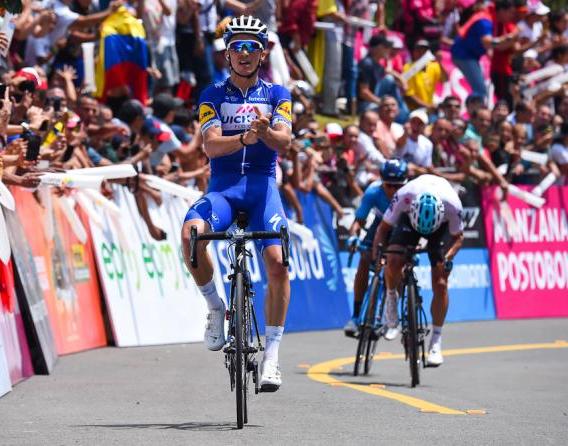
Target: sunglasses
(393,185)
(250,46)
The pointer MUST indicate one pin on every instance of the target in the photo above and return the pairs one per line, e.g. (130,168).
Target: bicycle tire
(240,368)
(361,348)
(412,337)
(370,323)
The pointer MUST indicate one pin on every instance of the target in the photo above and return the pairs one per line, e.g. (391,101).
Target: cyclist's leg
(211,212)
(362,275)
(403,235)
(437,246)
(267,214)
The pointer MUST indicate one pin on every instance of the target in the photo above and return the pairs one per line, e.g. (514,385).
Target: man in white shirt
(413,146)
(369,157)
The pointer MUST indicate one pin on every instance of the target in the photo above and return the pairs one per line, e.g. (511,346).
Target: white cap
(421,114)
(219,45)
(530,54)
(333,129)
(538,8)
(396,42)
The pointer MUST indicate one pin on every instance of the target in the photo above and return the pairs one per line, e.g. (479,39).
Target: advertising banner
(150,296)
(529,254)
(318,298)
(67,273)
(474,229)
(471,295)
(12,328)
(30,297)
(469,286)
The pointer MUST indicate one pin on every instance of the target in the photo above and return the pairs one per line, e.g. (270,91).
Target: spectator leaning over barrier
(446,157)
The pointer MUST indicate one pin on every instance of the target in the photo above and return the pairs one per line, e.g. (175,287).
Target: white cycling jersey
(436,185)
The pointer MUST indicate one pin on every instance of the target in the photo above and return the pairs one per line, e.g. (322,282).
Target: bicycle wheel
(240,368)
(370,322)
(412,336)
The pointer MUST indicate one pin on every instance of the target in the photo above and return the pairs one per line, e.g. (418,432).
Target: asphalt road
(178,394)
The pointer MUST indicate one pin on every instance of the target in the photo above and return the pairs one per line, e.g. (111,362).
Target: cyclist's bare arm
(278,138)
(455,246)
(217,145)
(381,236)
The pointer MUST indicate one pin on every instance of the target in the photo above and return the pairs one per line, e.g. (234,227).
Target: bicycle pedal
(229,350)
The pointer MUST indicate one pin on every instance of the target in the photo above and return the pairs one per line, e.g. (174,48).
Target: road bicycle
(413,317)
(243,337)
(369,323)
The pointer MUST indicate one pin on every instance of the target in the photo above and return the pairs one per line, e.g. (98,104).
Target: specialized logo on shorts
(284,109)
(206,113)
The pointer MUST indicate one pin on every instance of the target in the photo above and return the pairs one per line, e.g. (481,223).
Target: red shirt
(501,62)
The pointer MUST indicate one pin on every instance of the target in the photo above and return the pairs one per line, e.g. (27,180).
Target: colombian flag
(123,56)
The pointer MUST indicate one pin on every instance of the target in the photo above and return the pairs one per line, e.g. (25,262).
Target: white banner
(150,295)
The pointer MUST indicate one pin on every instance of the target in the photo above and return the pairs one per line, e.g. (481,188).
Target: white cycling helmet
(426,213)
(246,24)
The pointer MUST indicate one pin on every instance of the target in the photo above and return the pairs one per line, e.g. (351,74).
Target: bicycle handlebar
(283,235)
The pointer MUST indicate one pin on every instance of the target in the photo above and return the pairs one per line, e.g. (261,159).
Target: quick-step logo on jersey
(240,116)
(206,113)
(284,109)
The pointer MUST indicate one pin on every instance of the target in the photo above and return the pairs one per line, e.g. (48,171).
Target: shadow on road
(189,426)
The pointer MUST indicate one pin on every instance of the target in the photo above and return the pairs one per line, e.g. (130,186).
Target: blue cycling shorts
(257,195)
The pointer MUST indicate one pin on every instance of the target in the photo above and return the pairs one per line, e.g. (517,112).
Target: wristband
(242,139)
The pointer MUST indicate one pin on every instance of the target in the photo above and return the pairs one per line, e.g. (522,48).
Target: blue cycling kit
(375,197)
(244,180)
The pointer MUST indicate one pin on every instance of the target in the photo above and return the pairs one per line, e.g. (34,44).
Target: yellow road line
(321,373)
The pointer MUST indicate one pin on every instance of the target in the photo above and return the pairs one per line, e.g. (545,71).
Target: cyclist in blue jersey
(378,195)
(245,122)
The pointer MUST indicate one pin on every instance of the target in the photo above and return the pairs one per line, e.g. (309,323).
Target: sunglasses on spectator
(250,46)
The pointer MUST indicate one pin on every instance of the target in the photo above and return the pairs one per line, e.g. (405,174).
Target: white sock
(392,294)
(209,291)
(436,335)
(273,338)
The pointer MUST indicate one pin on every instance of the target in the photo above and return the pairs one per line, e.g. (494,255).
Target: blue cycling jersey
(375,197)
(225,105)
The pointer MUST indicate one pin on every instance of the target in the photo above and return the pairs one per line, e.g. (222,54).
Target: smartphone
(2,90)
(68,153)
(56,105)
(34,143)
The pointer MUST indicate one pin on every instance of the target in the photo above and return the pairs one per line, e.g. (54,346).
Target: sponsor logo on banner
(469,286)
(529,254)
(474,230)
(316,277)
(149,293)
(206,113)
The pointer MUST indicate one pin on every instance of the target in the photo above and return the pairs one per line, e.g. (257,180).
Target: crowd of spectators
(362,76)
